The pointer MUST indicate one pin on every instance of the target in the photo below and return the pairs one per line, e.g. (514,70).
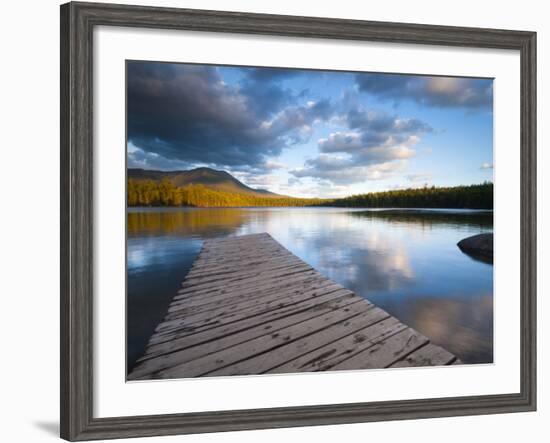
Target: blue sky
(311,133)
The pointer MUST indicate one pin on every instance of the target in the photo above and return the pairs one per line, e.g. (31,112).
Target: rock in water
(478,246)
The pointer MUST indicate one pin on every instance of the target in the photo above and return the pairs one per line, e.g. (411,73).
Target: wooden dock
(249,306)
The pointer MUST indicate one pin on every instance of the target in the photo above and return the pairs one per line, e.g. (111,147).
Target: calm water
(406,262)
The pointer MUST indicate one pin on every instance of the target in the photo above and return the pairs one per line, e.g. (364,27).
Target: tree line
(465,197)
(165,193)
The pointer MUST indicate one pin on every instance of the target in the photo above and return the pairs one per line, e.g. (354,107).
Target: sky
(310,133)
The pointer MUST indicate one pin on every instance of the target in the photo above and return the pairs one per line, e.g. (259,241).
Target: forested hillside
(211,178)
(165,193)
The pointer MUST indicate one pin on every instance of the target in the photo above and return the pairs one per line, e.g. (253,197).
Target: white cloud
(321,189)
(274,164)
(374,147)
(342,170)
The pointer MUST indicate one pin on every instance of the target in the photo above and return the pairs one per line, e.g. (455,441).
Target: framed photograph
(273,221)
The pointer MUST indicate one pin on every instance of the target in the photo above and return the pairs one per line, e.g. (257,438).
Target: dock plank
(385,352)
(223,315)
(247,328)
(227,343)
(266,361)
(263,302)
(288,287)
(249,306)
(325,357)
(313,304)
(251,348)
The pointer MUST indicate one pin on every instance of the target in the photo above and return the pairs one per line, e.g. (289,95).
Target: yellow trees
(165,193)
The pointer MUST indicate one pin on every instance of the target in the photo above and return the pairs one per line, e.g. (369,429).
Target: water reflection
(427,218)
(464,327)
(191,222)
(407,262)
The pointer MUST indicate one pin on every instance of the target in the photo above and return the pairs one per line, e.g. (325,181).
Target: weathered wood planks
(249,306)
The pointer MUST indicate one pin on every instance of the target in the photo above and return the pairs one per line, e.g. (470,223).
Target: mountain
(211,178)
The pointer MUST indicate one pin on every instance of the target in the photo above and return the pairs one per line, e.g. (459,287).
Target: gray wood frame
(77,23)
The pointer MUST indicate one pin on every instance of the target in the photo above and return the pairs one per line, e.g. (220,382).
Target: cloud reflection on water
(464,327)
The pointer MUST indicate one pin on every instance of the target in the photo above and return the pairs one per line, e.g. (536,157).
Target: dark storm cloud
(187,113)
(272,74)
(263,89)
(431,91)
(264,98)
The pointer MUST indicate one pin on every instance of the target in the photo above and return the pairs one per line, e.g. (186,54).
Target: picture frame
(78,21)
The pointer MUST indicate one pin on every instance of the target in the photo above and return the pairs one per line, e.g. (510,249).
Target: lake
(404,261)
